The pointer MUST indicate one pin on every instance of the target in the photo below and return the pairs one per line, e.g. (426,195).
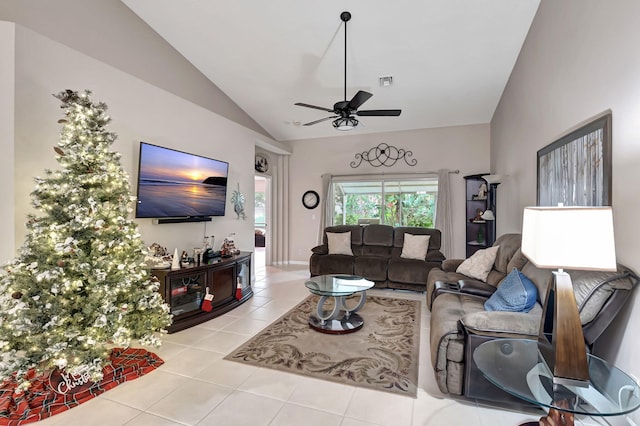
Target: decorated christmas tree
(79,286)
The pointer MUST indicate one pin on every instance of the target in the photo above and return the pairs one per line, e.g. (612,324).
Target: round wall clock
(262,163)
(310,199)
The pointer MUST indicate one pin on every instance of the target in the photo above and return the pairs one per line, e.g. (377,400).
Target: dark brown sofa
(459,322)
(376,256)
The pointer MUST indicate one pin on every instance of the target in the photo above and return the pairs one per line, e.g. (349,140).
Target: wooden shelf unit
(480,234)
(184,289)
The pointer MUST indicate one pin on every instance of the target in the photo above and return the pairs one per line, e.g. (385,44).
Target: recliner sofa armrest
(450,265)
(435,256)
(476,287)
(321,249)
(503,324)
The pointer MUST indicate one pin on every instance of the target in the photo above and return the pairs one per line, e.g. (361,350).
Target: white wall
(7,65)
(580,59)
(139,112)
(110,32)
(464,148)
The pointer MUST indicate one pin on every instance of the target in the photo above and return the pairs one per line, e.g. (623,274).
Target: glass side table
(516,366)
(340,319)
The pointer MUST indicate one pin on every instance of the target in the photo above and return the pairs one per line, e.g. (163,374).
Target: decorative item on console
(184,259)
(207,250)
(175,261)
(158,257)
(229,247)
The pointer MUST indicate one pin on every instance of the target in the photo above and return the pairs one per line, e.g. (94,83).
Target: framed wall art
(575,170)
(262,163)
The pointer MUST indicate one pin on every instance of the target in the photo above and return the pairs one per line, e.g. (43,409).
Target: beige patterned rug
(382,355)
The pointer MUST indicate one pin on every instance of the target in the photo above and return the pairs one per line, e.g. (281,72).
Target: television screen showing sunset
(177,184)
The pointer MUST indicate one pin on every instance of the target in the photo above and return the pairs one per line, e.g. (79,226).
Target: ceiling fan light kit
(346,123)
(344,110)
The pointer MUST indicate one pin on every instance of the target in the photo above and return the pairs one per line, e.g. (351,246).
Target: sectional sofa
(377,254)
(460,322)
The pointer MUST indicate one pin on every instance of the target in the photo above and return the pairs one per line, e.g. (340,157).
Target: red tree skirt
(43,398)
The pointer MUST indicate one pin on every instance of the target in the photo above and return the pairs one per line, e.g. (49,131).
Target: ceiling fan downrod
(345,17)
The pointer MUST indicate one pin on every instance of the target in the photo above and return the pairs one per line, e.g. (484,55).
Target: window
(396,202)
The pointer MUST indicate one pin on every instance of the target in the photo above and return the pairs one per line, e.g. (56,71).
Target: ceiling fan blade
(313,106)
(311,123)
(359,98)
(380,113)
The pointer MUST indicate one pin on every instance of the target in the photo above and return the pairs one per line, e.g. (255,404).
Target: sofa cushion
(479,264)
(373,268)
(409,270)
(339,243)
(334,264)
(378,235)
(592,289)
(415,246)
(542,278)
(516,293)
(509,246)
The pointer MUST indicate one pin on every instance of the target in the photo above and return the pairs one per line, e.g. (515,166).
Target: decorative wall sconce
(384,155)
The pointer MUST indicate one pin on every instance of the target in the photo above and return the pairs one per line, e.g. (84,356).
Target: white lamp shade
(569,237)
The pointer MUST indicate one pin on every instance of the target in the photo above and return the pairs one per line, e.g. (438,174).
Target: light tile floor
(196,386)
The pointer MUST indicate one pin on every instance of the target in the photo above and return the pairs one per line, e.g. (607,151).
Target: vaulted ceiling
(449,59)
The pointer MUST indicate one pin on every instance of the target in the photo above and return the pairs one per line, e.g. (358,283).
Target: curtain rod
(394,174)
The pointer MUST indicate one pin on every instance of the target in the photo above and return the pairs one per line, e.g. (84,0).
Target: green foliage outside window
(400,209)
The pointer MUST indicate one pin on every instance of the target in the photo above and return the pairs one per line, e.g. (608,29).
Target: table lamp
(574,238)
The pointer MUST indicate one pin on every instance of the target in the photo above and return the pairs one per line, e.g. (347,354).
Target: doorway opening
(261,220)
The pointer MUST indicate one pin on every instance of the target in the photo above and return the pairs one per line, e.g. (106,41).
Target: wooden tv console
(184,289)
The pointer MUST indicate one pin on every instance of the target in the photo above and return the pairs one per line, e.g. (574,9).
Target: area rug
(53,393)
(382,355)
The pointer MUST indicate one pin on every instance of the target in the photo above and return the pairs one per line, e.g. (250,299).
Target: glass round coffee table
(340,318)
(517,367)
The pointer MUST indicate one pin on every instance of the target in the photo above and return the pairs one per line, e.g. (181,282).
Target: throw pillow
(415,246)
(339,243)
(516,293)
(479,264)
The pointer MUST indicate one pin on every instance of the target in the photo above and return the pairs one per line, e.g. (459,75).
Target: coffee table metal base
(339,320)
(342,325)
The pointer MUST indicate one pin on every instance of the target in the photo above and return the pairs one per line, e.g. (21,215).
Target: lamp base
(561,341)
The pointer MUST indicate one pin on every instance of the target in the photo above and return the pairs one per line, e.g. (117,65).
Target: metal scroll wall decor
(384,155)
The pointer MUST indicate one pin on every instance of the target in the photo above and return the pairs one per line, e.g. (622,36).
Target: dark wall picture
(575,170)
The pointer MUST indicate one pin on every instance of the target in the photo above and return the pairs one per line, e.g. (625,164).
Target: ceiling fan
(345,110)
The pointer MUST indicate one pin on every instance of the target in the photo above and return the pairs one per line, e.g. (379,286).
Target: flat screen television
(175,184)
